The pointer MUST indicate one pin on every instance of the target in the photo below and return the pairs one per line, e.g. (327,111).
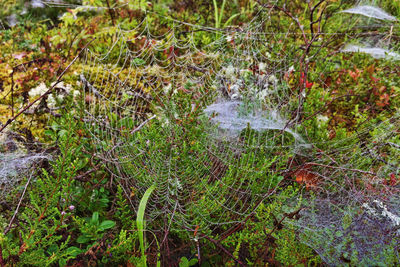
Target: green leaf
(95,218)
(81,163)
(62,262)
(106,225)
(184,262)
(279,179)
(82,239)
(74,251)
(53,248)
(49,133)
(62,133)
(139,61)
(193,262)
(339,234)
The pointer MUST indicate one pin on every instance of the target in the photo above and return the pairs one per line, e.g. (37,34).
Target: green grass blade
(230,19)
(140,220)
(216,14)
(221,14)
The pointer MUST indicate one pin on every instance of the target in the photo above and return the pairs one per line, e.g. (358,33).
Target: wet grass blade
(140,220)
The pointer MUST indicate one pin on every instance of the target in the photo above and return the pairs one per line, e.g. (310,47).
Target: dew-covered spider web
(168,123)
(212,119)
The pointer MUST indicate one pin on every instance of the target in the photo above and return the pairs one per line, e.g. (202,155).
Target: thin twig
(81,176)
(341,168)
(142,124)
(19,204)
(289,215)
(110,11)
(219,245)
(9,121)
(16,68)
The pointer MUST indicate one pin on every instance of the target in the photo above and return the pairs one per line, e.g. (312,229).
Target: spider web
(142,124)
(209,128)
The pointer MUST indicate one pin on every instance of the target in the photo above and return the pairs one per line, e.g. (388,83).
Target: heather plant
(202,132)
(44,238)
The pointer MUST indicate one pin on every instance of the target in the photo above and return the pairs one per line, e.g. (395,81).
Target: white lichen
(230,72)
(380,210)
(51,102)
(76,93)
(272,79)
(38,90)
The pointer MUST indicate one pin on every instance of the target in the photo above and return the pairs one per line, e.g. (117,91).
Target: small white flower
(291,69)
(76,93)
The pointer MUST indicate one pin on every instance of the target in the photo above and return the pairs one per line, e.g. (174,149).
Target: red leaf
(393,180)
(375,80)
(303,78)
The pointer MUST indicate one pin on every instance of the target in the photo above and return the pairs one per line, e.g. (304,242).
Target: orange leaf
(305,176)
(355,74)
(195,230)
(383,100)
